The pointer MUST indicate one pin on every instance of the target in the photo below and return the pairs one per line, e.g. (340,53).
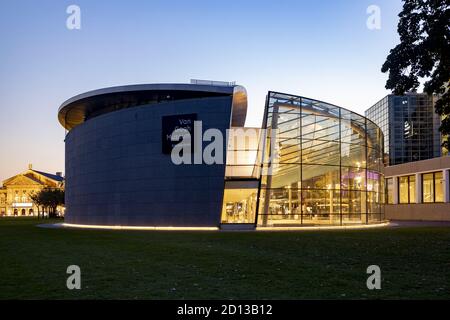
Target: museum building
(16,192)
(311,163)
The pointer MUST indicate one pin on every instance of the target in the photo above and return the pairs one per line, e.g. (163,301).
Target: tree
(423,54)
(48,199)
(36,199)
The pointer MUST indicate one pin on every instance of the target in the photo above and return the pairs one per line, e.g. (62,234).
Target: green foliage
(48,198)
(423,53)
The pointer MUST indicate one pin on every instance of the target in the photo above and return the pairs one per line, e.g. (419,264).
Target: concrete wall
(418,211)
(116,173)
(429,165)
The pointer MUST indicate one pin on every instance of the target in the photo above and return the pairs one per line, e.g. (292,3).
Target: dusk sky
(318,49)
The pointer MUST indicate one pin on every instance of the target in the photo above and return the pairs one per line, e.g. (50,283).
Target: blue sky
(319,49)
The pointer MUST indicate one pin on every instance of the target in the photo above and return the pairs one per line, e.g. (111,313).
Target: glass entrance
(239,202)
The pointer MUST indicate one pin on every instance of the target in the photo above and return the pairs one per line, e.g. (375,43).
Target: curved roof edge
(76,105)
(327,103)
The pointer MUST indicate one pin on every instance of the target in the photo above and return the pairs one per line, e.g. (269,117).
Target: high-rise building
(410,126)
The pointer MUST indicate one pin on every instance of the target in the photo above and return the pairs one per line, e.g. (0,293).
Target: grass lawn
(415,263)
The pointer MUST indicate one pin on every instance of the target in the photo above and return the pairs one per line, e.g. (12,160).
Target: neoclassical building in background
(15,192)
(310,163)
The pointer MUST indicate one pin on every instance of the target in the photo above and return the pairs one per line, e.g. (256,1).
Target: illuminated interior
(239,205)
(312,164)
(322,165)
(242,175)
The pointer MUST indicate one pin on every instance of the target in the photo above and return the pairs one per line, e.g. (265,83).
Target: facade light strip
(92,226)
(355,227)
(104,227)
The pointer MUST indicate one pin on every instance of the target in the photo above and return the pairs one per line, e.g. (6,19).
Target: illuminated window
(432,189)
(239,205)
(438,187)
(412,189)
(389,190)
(407,189)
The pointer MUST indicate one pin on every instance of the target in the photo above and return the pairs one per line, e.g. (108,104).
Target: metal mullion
(434,187)
(301,162)
(340,167)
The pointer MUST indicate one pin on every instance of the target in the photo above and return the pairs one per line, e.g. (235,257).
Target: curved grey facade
(116,173)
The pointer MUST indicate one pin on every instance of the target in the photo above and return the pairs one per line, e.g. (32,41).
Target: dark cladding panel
(116,173)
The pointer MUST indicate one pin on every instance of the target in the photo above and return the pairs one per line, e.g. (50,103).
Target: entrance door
(239,202)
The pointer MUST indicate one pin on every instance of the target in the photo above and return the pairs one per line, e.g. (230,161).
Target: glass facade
(322,165)
(410,127)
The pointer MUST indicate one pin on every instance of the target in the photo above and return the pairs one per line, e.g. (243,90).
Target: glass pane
(390,190)
(375,159)
(427,188)
(320,152)
(353,155)
(373,202)
(374,137)
(403,189)
(320,203)
(374,181)
(288,150)
(353,129)
(412,189)
(353,201)
(320,177)
(284,175)
(239,206)
(318,127)
(438,188)
(353,178)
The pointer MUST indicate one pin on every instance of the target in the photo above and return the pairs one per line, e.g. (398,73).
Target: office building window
(432,189)
(389,191)
(412,189)
(407,189)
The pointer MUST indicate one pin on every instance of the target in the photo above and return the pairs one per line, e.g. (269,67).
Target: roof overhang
(75,110)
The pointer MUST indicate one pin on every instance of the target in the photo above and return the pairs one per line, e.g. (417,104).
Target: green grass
(415,263)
